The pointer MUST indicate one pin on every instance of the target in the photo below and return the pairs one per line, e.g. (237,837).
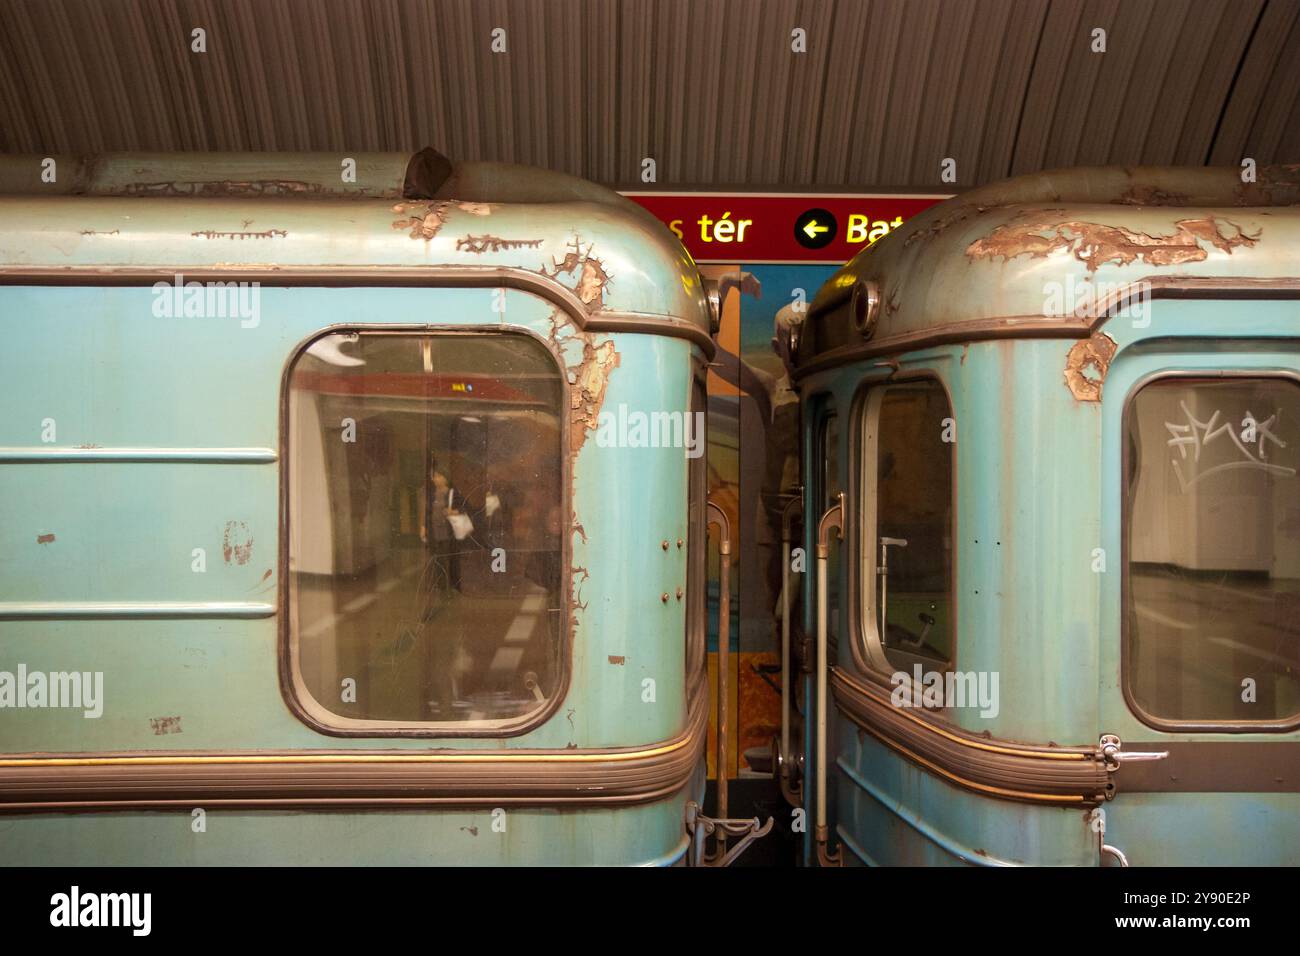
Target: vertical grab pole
(832,521)
(795,506)
(719,517)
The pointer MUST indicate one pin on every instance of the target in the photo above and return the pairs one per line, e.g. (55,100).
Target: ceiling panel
(710,89)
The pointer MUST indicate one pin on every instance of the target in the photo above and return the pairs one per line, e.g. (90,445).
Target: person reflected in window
(446,524)
(495,518)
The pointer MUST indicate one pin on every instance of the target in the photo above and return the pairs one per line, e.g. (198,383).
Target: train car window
(907,545)
(1212,584)
(828,444)
(425,531)
(697,544)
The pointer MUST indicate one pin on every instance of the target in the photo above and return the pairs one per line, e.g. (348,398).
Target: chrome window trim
(868,651)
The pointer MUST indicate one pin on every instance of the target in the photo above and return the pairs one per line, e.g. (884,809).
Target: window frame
(293,688)
(1127,671)
(868,651)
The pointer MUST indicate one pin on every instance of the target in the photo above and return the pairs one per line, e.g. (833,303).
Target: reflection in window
(1213,591)
(909,551)
(425,527)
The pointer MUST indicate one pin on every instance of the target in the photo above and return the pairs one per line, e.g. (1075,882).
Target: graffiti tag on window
(1193,437)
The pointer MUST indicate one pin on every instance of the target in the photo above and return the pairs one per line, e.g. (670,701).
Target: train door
(1200,639)
(901,521)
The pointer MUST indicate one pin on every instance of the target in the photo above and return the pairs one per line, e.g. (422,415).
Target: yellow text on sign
(722,229)
(863,229)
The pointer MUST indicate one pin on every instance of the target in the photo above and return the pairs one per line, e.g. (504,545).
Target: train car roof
(995,261)
(124,217)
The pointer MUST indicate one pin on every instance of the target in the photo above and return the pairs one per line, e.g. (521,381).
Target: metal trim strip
(305,779)
(205,456)
(1214,766)
(131,611)
(992,767)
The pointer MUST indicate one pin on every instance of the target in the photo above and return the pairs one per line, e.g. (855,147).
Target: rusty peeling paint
(1086,365)
(577,577)
(1095,244)
(165,725)
(267,575)
(97,232)
(592,277)
(591,379)
(615,659)
(588,379)
(44,538)
(479,244)
(271,188)
(1276,185)
(263,234)
(591,284)
(237,543)
(1151,196)
(424,219)
(472,831)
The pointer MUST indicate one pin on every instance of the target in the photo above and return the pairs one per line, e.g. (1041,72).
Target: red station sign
(758,228)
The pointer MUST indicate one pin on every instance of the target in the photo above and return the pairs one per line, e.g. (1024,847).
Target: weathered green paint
(205,393)
(1038,488)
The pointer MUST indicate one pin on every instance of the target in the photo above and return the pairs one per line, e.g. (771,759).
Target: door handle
(1114,756)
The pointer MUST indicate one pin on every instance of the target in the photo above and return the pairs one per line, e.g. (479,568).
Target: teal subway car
(325,539)
(1051,432)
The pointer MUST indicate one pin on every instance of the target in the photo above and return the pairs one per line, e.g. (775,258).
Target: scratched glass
(425,529)
(913,488)
(1212,596)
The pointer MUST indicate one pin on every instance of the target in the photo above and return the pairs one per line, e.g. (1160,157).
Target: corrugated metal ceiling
(709,88)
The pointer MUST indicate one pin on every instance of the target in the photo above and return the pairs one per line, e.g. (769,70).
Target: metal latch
(701,828)
(1097,822)
(1113,755)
